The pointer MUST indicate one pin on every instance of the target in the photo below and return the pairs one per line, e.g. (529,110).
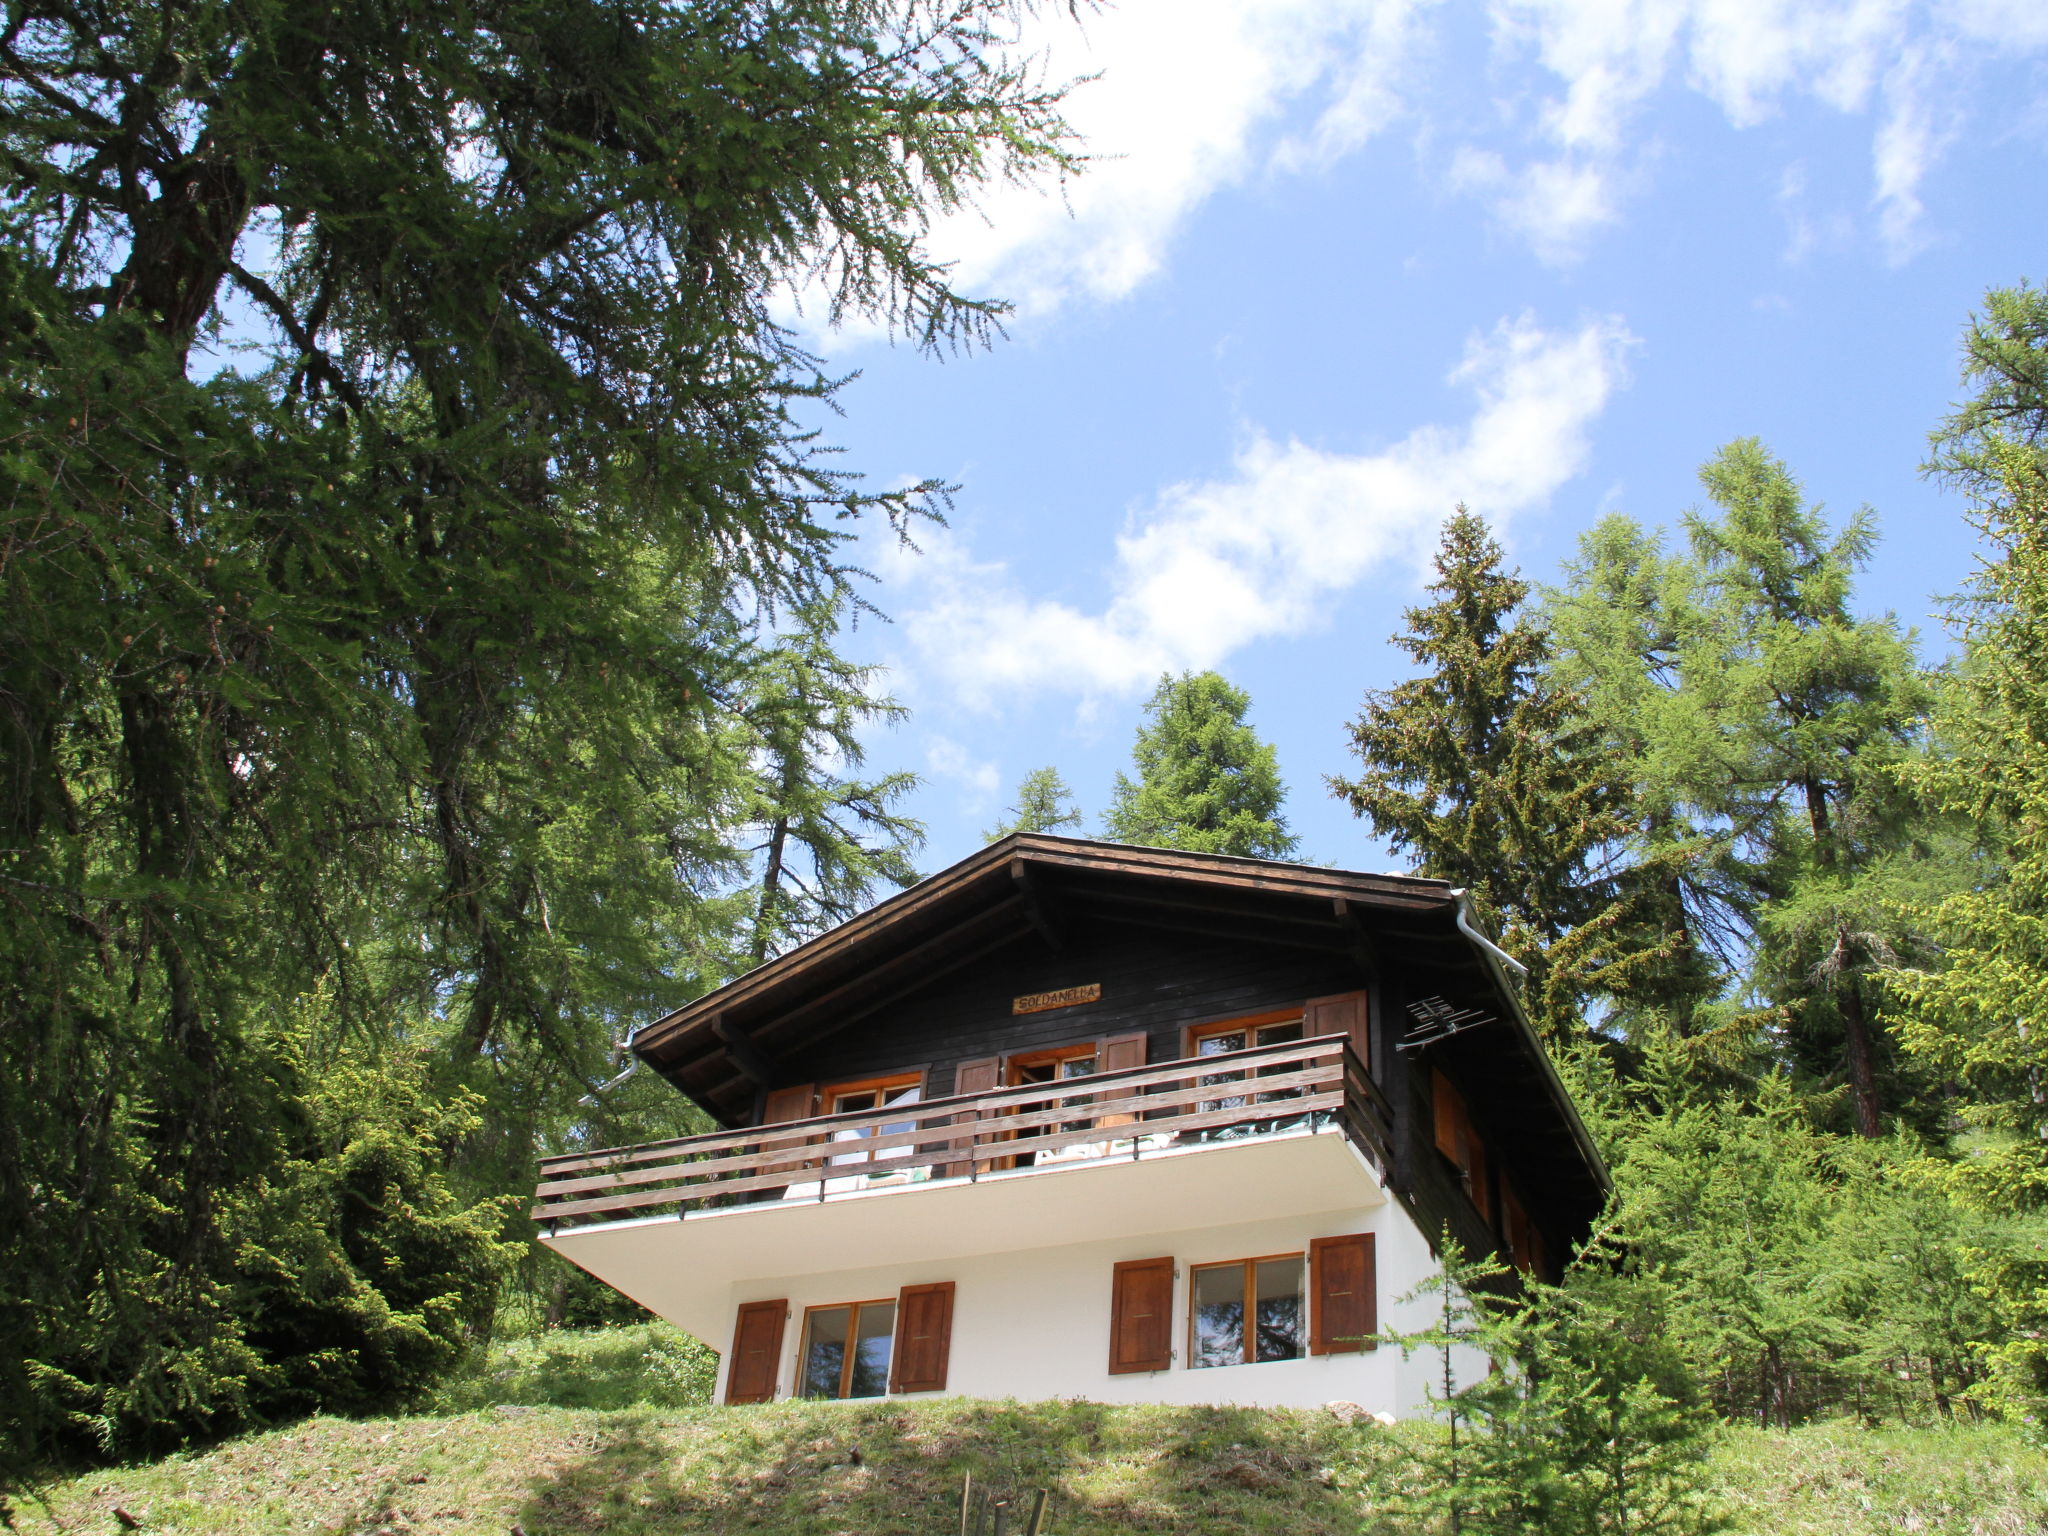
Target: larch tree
(398,418)
(1044,804)
(1815,710)
(1490,777)
(1205,781)
(831,839)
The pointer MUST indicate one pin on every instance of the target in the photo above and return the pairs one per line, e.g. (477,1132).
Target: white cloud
(1183,94)
(976,778)
(1906,60)
(1213,566)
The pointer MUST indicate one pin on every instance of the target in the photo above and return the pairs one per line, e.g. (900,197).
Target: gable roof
(724,1046)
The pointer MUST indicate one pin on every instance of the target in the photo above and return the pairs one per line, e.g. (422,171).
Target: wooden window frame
(1192,1034)
(803,1343)
(913,1077)
(828,1095)
(1051,1056)
(1251,1286)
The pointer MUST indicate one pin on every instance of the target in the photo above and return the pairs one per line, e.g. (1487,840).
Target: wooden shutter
(1119,1053)
(1141,1316)
(924,1337)
(797,1102)
(981,1075)
(756,1352)
(1344,1014)
(1343,1294)
(1448,1117)
(1476,1179)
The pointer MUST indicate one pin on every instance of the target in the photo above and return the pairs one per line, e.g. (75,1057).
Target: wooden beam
(1243,930)
(1362,947)
(758,1063)
(1034,906)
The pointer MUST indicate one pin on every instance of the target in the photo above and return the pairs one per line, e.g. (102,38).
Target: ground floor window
(846,1349)
(1246,1311)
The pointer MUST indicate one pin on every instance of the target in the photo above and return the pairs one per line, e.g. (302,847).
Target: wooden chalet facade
(1078,1119)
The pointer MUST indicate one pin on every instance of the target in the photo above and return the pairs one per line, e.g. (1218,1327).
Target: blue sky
(1344,263)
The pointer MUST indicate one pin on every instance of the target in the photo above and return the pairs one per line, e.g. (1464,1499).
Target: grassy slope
(788,1469)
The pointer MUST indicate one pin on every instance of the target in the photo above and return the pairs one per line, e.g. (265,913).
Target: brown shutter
(1343,1295)
(1448,1115)
(1141,1316)
(924,1337)
(981,1075)
(1344,1014)
(796,1102)
(1475,1172)
(756,1352)
(1119,1053)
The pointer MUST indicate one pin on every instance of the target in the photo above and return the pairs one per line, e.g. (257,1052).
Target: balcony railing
(1302,1085)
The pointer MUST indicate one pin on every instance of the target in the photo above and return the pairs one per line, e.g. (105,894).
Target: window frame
(1250,1333)
(846,1365)
(1191,1035)
(852,1158)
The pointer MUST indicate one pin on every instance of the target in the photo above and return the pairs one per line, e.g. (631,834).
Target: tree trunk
(1856,1041)
(771,886)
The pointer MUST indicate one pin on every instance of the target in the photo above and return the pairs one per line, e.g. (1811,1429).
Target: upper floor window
(870,1095)
(1229,1035)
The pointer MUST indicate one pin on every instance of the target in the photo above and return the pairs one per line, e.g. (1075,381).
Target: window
(876,1093)
(1055,1066)
(1242,1035)
(1247,1311)
(846,1350)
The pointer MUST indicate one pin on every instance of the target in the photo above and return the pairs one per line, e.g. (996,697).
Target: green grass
(790,1469)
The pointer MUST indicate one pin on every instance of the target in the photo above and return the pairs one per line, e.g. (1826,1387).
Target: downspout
(623,1048)
(1495,958)
(1465,927)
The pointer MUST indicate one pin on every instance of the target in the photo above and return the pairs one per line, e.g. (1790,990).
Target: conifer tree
(375,662)
(1205,783)
(1814,711)
(830,837)
(1044,804)
(1977,1018)
(1487,775)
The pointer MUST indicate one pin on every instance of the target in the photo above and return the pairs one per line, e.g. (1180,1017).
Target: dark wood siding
(1151,981)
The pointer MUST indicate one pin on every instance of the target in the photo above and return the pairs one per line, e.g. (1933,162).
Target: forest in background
(420,662)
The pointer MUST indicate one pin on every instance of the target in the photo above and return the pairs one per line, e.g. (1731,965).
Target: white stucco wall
(1034,1324)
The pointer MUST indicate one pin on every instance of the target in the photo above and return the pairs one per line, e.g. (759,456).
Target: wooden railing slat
(981,1130)
(1310,1049)
(1213,1119)
(1071,1107)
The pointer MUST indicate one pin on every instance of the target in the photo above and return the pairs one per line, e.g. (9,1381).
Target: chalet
(1074,1119)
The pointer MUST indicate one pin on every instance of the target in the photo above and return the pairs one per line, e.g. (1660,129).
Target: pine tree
(1487,775)
(1206,783)
(1044,804)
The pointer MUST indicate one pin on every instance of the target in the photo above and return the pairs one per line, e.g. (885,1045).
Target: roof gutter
(1496,959)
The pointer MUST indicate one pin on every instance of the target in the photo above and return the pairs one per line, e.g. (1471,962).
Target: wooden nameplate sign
(1066,997)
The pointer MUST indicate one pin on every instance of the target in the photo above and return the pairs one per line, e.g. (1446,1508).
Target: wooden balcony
(1301,1087)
